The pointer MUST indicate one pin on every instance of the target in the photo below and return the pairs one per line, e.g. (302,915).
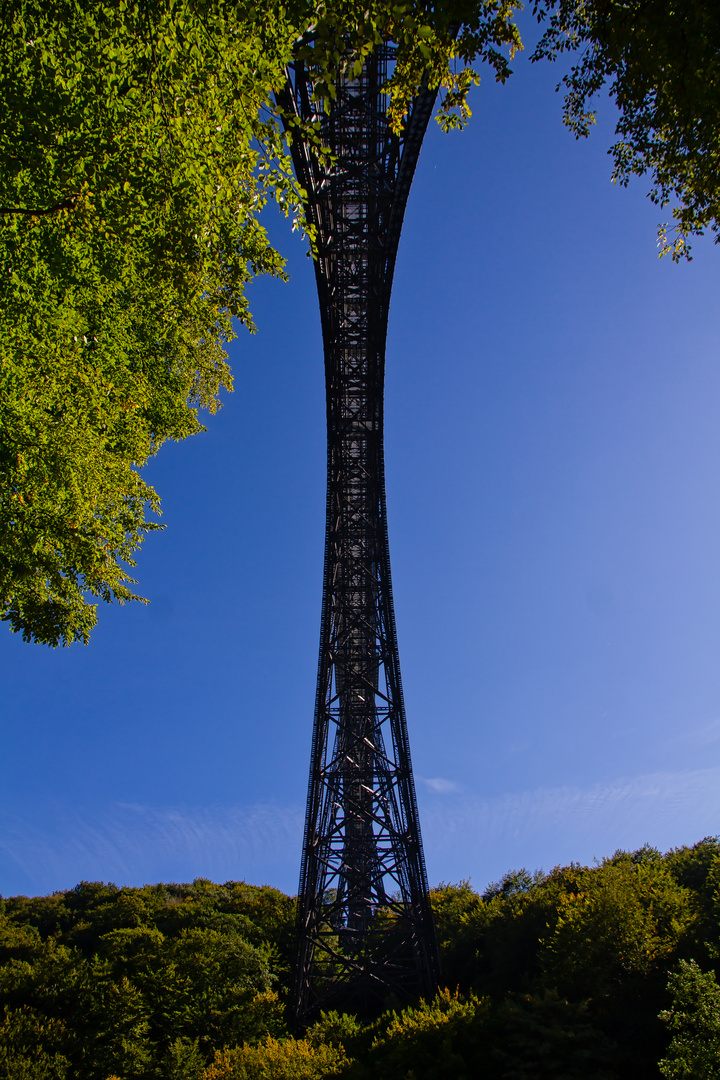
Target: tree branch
(64,204)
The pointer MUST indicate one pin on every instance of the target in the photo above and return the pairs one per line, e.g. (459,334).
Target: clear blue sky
(553,461)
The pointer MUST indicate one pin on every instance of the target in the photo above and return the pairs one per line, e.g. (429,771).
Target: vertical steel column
(364,927)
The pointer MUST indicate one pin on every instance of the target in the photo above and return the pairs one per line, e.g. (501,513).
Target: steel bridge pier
(365,932)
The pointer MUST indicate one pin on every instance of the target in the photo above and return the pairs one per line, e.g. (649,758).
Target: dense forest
(595,972)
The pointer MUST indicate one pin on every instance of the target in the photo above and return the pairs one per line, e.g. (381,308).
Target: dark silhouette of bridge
(365,932)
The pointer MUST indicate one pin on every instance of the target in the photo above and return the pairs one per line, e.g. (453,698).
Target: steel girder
(365,932)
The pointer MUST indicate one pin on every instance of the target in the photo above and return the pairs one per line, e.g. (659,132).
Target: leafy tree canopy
(606,972)
(660,62)
(134,160)
(138,144)
(694,1020)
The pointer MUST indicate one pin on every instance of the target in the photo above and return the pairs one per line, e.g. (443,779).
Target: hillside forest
(605,972)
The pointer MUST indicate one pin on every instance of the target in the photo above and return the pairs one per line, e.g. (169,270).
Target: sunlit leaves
(130,191)
(139,144)
(436,47)
(694,1021)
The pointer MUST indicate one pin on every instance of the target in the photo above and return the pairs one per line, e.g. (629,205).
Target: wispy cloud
(132,844)
(465,834)
(701,735)
(439,786)
(549,826)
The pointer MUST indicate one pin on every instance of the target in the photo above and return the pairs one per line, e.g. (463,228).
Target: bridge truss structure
(365,931)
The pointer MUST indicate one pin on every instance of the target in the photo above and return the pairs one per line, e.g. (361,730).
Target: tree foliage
(134,161)
(586,973)
(140,982)
(694,1020)
(275,1059)
(660,62)
(139,142)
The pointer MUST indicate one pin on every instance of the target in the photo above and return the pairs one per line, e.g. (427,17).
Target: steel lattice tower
(365,929)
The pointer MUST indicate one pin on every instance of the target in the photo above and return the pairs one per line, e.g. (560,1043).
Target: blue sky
(553,453)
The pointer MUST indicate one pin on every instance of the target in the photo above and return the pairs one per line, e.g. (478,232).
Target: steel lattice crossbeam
(365,928)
